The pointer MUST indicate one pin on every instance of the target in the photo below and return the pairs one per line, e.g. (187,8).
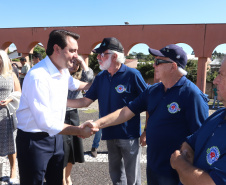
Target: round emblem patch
(213,155)
(173,108)
(120,88)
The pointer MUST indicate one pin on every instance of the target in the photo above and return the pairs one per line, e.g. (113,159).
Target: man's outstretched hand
(88,128)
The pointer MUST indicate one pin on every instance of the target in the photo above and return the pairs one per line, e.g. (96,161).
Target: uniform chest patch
(213,155)
(120,89)
(173,108)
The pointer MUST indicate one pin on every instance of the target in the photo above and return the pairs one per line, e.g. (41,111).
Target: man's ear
(56,48)
(114,56)
(174,66)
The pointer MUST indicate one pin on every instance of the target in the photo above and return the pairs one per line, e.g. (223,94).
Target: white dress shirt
(44,98)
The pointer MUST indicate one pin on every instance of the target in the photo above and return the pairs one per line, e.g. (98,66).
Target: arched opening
(139,51)
(217,56)
(14,55)
(38,53)
(140,58)
(192,62)
(219,52)
(188,49)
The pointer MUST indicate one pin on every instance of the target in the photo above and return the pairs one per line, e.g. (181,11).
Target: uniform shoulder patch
(212,155)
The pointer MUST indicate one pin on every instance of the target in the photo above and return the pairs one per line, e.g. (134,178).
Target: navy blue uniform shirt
(209,145)
(173,115)
(115,92)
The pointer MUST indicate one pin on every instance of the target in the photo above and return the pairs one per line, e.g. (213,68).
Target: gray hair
(121,57)
(182,71)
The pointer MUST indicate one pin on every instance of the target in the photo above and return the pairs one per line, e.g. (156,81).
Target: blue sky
(48,13)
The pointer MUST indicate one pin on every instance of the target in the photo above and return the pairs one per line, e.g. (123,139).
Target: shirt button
(213,134)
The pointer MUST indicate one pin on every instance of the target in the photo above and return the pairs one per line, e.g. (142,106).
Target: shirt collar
(52,68)
(181,81)
(122,68)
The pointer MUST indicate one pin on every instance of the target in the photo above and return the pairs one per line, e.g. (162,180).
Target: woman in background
(9,84)
(73,146)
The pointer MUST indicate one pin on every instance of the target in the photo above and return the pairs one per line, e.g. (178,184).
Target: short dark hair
(23,59)
(37,55)
(15,64)
(59,37)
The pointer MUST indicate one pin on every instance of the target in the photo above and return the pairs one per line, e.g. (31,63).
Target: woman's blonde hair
(5,65)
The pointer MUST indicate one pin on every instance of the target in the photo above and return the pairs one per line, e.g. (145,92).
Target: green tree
(149,58)
(141,57)
(191,68)
(41,50)
(146,69)
(211,76)
(131,56)
(215,55)
(93,63)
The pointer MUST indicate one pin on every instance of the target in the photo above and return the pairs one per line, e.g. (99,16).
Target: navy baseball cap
(109,43)
(172,51)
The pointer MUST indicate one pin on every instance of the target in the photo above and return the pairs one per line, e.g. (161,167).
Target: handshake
(88,128)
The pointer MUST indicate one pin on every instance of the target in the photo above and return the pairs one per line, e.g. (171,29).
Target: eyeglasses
(159,61)
(103,54)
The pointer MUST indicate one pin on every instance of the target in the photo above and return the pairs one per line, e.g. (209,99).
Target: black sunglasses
(159,61)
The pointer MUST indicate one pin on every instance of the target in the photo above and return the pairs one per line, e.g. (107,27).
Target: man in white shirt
(42,111)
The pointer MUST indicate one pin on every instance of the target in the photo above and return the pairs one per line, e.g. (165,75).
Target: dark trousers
(161,179)
(39,156)
(21,82)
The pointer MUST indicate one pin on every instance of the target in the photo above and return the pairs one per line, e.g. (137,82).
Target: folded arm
(182,162)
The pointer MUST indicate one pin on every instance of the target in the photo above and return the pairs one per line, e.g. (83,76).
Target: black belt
(34,133)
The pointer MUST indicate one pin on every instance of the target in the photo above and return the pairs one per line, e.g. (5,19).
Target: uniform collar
(121,69)
(181,81)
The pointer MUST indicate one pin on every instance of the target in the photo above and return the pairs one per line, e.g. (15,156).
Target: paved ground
(95,170)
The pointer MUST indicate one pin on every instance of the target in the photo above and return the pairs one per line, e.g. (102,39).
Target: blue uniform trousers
(39,156)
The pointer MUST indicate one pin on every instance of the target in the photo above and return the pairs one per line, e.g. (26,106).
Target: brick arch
(214,47)
(5,46)
(129,47)
(93,46)
(188,45)
(32,46)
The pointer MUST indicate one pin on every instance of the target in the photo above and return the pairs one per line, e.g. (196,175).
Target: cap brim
(99,50)
(155,52)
